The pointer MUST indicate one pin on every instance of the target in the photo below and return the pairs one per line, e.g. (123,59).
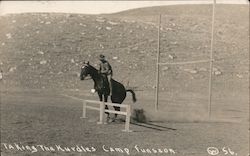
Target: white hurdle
(102,111)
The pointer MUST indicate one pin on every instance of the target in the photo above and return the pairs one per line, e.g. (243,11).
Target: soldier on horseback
(106,70)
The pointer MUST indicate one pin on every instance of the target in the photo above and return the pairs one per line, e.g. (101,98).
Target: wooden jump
(187,62)
(102,111)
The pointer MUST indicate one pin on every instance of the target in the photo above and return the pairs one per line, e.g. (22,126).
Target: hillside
(42,50)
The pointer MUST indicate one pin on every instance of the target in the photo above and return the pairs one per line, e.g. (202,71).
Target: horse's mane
(92,67)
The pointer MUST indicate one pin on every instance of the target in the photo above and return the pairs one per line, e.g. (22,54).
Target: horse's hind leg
(117,109)
(106,107)
(115,118)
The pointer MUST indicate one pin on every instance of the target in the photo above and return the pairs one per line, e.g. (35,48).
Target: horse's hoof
(110,120)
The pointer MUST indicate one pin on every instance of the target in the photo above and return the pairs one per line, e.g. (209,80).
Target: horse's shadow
(147,125)
(152,126)
(139,119)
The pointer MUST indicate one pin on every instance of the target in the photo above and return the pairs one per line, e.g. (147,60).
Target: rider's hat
(102,57)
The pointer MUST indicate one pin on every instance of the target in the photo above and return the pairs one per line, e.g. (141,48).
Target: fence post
(102,107)
(127,122)
(84,103)
(158,67)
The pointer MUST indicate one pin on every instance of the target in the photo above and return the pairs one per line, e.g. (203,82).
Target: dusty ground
(49,119)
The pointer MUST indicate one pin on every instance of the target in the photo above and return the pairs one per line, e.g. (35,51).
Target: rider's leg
(110,85)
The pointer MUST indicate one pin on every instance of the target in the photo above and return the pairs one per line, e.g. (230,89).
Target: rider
(106,70)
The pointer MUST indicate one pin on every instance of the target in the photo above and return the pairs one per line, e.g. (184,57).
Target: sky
(94,7)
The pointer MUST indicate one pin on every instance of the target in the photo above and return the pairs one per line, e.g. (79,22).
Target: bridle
(87,77)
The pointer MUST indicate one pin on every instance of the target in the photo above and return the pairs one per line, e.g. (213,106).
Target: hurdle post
(101,113)
(84,104)
(127,122)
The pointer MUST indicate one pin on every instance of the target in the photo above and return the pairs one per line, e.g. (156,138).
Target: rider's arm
(100,68)
(105,69)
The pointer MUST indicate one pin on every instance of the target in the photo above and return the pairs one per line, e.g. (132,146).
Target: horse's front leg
(106,107)
(100,96)
(101,99)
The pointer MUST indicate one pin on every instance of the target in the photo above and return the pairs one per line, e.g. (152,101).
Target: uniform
(106,69)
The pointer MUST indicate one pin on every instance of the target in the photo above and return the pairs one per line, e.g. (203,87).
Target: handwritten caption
(213,151)
(81,149)
(223,150)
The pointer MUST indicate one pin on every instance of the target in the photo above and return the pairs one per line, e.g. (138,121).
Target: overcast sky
(93,7)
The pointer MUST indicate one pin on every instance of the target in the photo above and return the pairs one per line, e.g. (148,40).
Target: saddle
(105,80)
(106,84)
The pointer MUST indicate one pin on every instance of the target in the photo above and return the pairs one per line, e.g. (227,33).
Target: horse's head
(85,70)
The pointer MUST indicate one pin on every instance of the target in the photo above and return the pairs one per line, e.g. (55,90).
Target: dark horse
(102,87)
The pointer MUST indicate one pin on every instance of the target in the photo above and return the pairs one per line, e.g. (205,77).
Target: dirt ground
(39,118)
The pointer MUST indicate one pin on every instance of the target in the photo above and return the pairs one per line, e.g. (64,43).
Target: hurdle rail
(102,111)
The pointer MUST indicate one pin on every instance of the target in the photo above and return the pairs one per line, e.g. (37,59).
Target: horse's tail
(133,94)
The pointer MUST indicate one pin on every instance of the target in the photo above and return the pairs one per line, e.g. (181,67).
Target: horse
(101,86)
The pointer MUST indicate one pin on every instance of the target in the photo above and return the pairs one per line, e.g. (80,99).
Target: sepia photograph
(124,78)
